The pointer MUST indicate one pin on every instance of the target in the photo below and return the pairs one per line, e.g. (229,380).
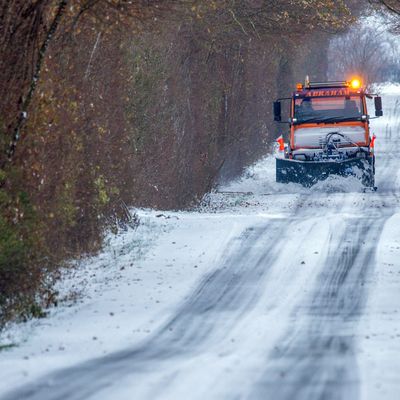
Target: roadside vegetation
(107,104)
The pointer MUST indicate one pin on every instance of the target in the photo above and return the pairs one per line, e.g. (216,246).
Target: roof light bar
(333,84)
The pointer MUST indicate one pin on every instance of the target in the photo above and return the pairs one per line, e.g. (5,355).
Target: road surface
(298,301)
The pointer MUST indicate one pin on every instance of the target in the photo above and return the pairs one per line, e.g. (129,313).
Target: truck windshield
(326,109)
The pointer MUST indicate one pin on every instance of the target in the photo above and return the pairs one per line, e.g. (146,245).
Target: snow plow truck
(329,133)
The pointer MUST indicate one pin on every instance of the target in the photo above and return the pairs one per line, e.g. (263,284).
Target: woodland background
(108,104)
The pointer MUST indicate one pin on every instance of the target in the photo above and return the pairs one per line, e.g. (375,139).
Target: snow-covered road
(268,291)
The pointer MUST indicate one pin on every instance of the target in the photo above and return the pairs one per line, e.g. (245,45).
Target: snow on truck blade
(259,179)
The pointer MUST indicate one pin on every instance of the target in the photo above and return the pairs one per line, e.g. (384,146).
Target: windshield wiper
(340,119)
(327,119)
(305,121)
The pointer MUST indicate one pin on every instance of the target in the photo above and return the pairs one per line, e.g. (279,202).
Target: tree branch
(33,85)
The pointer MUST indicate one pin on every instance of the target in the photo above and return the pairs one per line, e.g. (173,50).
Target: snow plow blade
(308,173)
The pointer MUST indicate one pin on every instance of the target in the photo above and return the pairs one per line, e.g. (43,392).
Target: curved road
(278,317)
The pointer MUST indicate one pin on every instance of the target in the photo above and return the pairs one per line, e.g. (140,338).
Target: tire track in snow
(316,358)
(211,311)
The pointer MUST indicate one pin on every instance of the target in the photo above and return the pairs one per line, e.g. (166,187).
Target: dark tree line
(106,104)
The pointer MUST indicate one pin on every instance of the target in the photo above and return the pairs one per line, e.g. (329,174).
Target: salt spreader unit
(329,133)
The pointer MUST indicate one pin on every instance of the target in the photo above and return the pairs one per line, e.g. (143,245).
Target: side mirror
(378,106)
(277,111)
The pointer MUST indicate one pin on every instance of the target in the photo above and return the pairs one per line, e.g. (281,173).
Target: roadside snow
(380,329)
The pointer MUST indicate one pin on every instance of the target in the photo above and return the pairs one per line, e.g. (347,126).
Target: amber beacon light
(355,83)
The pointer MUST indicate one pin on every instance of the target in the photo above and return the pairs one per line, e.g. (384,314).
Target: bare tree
(393,6)
(365,51)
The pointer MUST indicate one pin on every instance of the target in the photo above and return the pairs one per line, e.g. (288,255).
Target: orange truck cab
(329,133)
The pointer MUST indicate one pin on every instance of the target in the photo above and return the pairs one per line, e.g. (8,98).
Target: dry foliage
(139,102)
